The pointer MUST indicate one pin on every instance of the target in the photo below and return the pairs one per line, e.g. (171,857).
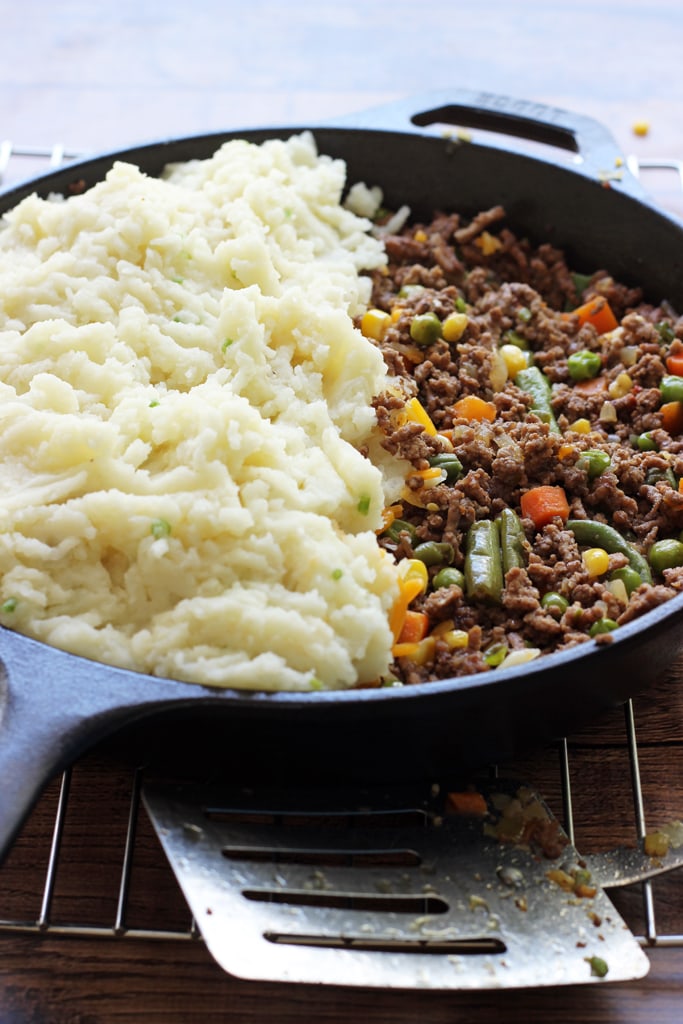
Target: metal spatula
(397,889)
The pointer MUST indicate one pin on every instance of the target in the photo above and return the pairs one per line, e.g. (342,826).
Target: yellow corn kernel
(443,627)
(455,638)
(396,314)
(488,244)
(431,477)
(565,451)
(454,326)
(425,651)
(620,386)
(374,323)
(416,413)
(410,569)
(420,236)
(596,561)
(514,357)
(581,426)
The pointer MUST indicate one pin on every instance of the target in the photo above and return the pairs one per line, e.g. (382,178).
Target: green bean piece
(483,562)
(665,554)
(629,577)
(513,338)
(644,442)
(665,331)
(581,282)
(655,474)
(671,388)
(553,600)
(425,329)
(399,526)
(433,552)
(512,540)
(584,365)
(602,626)
(537,386)
(450,462)
(448,577)
(460,305)
(495,654)
(594,462)
(599,535)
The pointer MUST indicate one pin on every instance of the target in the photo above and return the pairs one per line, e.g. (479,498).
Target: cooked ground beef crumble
(609,440)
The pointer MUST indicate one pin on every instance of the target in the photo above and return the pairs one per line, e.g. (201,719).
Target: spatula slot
(362,944)
(390,903)
(325,858)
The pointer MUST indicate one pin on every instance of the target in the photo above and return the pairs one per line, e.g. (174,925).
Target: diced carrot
(468,803)
(408,591)
(471,407)
(674,364)
(591,386)
(672,417)
(415,626)
(596,311)
(543,504)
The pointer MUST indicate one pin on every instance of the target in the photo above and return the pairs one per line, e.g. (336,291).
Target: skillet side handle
(597,153)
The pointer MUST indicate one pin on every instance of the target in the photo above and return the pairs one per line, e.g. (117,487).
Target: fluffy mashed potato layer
(183,397)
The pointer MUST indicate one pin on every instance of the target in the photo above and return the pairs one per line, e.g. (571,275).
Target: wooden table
(100,76)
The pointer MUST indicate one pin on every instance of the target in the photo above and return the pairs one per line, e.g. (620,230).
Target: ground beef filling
(503,304)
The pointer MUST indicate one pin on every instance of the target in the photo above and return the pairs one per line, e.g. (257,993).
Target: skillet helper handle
(53,706)
(596,152)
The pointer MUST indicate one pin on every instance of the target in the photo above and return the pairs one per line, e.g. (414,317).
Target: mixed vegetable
(541,414)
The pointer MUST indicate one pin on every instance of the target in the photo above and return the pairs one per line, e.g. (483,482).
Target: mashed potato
(183,397)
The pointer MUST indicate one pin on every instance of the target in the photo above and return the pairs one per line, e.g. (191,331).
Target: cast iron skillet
(54,705)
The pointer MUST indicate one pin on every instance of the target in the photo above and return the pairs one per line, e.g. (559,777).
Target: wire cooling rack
(41,908)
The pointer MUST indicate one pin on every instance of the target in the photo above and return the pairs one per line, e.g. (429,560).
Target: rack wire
(16,164)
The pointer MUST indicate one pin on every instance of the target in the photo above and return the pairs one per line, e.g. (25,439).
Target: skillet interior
(386,734)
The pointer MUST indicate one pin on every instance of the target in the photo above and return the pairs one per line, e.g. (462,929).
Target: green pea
(450,462)
(603,626)
(425,329)
(584,364)
(594,462)
(553,600)
(671,388)
(598,966)
(644,442)
(433,552)
(629,577)
(448,577)
(665,554)
(524,314)
(399,526)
